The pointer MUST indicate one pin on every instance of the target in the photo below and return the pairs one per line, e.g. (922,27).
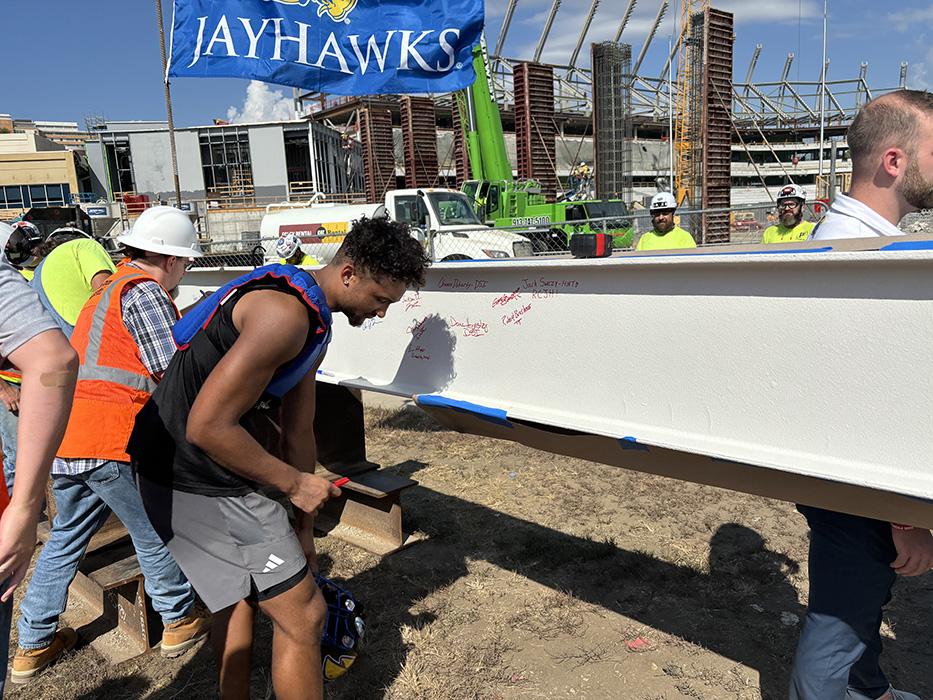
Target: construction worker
(124,343)
(665,235)
(579,179)
(288,248)
(252,347)
(73,265)
(791,226)
(21,247)
(854,561)
(19,244)
(34,346)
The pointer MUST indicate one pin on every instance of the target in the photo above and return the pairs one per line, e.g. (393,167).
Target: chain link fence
(530,240)
(747,222)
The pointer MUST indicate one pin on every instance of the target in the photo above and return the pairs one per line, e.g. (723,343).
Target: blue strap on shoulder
(287,376)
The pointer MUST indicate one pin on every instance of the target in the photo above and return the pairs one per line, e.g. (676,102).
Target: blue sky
(70,59)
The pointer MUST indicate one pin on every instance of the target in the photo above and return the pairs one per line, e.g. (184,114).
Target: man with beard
(249,353)
(791,226)
(891,146)
(665,235)
(854,561)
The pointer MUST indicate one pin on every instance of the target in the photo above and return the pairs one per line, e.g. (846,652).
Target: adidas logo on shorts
(273,562)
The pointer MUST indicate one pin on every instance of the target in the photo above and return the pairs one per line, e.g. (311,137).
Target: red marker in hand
(342,481)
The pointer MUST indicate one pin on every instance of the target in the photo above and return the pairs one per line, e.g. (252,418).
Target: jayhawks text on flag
(343,47)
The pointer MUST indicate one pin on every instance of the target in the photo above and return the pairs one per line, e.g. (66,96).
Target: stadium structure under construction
(722,141)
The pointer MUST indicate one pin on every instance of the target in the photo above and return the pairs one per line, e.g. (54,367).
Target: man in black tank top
(200,464)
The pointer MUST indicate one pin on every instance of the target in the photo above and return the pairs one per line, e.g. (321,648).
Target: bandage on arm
(49,366)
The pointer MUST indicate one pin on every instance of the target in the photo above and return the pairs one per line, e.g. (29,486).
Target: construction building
(37,172)
(267,161)
(68,134)
(766,133)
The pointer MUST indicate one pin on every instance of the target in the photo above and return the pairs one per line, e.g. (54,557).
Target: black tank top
(158,446)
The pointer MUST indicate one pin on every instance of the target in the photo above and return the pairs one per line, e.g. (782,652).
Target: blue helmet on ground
(343,630)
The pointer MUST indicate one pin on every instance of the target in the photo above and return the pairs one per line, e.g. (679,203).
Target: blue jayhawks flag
(343,47)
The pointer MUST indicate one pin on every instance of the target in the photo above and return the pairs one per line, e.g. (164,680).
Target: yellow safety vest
(306,260)
(675,238)
(782,234)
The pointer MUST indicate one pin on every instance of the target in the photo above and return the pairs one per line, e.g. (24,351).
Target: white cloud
(920,74)
(904,20)
(262,104)
(785,13)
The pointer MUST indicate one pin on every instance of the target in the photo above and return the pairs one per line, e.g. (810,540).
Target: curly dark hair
(384,248)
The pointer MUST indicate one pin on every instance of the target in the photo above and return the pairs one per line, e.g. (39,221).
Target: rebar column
(717,121)
(612,119)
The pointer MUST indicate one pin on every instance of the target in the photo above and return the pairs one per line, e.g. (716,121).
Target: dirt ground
(545,577)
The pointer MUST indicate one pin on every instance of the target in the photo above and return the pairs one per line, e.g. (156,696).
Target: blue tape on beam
(909,245)
(630,443)
(493,415)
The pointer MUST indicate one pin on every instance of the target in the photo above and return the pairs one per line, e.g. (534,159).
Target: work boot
(179,636)
(30,662)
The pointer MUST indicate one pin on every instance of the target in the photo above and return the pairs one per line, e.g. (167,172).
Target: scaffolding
(688,115)
(612,119)
(535,130)
(419,141)
(459,145)
(378,150)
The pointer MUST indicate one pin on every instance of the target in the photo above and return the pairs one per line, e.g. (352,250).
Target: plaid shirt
(149,315)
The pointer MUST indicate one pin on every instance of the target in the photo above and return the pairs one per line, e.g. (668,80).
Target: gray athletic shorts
(229,547)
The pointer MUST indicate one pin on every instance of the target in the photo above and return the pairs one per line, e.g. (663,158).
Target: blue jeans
(850,582)
(9,424)
(6,616)
(84,502)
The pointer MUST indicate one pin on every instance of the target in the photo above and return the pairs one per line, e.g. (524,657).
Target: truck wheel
(456,256)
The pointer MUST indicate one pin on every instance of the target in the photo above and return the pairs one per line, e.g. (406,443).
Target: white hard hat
(792,192)
(287,245)
(663,201)
(69,231)
(164,230)
(5,232)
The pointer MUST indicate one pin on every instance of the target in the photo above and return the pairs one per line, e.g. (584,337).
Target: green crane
(502,200)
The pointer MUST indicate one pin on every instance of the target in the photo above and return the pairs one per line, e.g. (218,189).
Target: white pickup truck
(442,219)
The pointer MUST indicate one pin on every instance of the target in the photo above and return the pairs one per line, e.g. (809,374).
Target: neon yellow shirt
(27,273)
(67,272)
(783,234)
(306,260)
(675,238)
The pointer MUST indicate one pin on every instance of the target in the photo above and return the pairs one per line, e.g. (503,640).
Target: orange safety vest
(113,383)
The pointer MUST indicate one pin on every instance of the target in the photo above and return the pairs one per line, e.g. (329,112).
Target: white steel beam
(795,372)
